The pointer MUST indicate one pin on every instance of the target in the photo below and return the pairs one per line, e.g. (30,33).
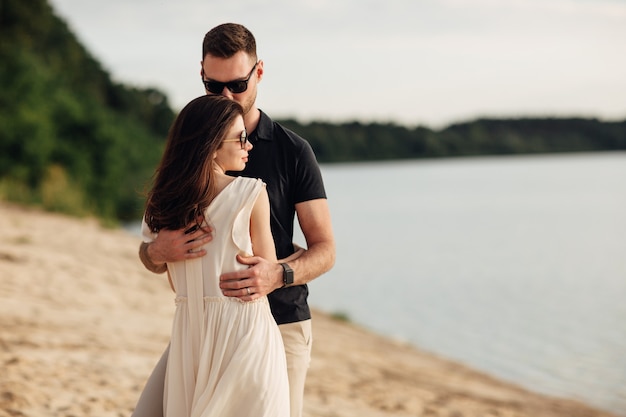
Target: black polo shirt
(287,164)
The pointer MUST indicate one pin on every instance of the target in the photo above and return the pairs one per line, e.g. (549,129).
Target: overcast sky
(429,62)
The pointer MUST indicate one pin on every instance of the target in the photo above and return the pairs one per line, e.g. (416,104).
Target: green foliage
(340,316)
(71,140)
(355,141)
(59,193)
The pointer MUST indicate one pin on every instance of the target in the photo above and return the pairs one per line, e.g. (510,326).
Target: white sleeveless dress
(226,356)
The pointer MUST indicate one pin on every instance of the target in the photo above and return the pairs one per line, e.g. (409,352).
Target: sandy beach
(82,325)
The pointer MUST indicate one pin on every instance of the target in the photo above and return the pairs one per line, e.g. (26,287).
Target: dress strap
(240,233)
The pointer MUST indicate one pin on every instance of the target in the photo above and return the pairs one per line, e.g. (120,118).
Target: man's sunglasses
(242,139)
(235,87)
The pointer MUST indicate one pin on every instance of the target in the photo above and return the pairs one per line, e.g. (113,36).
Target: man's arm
(264,277)
(146,260)
(173,246)
(315,222)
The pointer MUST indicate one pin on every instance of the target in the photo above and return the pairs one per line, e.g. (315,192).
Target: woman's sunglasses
(235,87)
(242,139)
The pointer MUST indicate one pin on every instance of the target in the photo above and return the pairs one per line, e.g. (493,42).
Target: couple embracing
(221,226)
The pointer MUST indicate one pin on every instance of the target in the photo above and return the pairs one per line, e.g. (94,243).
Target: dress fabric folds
(226,356)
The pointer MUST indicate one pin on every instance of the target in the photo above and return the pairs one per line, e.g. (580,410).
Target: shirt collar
(264,129)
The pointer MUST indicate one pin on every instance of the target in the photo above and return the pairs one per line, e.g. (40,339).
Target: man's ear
(259,70)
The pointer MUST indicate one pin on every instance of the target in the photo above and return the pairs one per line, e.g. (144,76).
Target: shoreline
(82,324)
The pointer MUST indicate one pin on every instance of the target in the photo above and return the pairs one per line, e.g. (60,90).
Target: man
(286,163)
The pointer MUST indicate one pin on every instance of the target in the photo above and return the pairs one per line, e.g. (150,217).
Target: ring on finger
(248,289)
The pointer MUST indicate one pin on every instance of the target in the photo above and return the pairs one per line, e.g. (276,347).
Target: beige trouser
(297,339)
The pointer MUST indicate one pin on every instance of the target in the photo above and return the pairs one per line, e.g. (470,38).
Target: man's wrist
(288,275)
(147,261)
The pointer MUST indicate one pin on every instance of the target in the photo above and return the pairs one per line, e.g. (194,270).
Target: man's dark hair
(227,39)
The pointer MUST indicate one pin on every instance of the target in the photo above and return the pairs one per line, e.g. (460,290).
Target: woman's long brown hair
(183,184)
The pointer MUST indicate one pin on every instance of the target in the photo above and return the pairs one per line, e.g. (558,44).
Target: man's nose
(227,93)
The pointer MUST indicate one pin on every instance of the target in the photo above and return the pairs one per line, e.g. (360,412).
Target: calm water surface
(513,265)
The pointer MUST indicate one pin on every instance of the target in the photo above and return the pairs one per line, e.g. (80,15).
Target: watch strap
(287,274)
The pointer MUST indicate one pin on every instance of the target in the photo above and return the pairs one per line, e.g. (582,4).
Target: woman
(226,356)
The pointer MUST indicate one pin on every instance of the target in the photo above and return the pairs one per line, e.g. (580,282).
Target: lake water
(515,266)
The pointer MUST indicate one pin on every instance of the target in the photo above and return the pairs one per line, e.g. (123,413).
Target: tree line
(356,141)
(72,140)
